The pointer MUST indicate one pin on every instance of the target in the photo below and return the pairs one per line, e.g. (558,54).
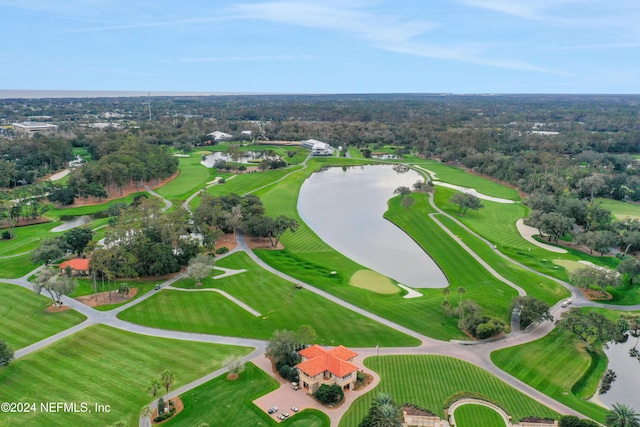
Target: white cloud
(384,31)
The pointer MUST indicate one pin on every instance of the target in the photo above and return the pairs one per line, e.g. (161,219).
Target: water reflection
(626,387)
(345,207)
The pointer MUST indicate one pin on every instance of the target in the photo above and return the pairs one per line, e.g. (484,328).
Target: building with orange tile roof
(78,266)
(320,366)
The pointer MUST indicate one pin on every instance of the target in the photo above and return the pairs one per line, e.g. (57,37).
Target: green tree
(383,412)
(466,201)
(461,291)
(554,224)
(402,191)
(407,202)
(531,310)
(445,307)
(49,250)
(154,386)
(200,268)
(329,394)
(592,328)
(631,267)
(597,276)
(55,283)
(167,378)
(281,345)
(233,364)
(622,415)
(6,354)
(306,335)
(78,238)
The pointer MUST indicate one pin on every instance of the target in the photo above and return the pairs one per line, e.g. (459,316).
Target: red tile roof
(76,264)
(323,360)
(342,352)
(312,352)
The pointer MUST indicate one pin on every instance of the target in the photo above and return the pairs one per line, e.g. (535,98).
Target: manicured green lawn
(534,284)
(56,213)
(193,176)
(457,176)
(497,223)
(24,319)
(309,259)
(477,415)
(221,402)
(282,307)
(27,238)
(106,366)
(428,381)
(620,210)
(14,267)
(558,366)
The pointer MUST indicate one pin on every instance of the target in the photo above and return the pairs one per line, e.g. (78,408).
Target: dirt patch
(21,223)
(368,378)
(262,243)
(232,377)
(177,403)
(103,298)
(228,241)
(120,194)
(594,295)
(54,309)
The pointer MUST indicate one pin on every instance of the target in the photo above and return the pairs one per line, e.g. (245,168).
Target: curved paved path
(477,354)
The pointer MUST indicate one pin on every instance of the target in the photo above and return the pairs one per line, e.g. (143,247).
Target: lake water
(69,222)
(345,208)
(626,387)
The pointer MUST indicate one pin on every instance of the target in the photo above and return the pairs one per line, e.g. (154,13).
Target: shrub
(532,419)
(328,394)
(222,250)
(221,181)
(573,421)
(6,235)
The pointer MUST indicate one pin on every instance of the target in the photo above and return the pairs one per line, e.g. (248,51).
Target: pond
(247,157)
(626,387)
(345,207)
(69,222)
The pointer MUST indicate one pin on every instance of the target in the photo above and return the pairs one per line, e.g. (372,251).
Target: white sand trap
(474,192)
(527,232)
(411,293)
(432,174)
(59,175)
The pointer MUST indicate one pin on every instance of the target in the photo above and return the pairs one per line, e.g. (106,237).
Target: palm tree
(445,306)
(154,386)
(622,416)
(445,292)
(461,291)
(387,415)
(145,413)
(167,378)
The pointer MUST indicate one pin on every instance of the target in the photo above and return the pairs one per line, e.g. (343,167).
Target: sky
(330,46)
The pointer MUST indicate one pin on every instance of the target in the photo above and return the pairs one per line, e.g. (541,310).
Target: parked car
(295,386)
(294,408)
(273,410)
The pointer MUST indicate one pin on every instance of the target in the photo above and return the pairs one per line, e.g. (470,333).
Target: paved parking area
(284,397)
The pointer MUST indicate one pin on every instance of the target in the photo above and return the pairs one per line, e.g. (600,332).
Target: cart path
(477,354)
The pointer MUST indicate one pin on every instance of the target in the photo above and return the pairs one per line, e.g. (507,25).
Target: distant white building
(220,136)
(318,148)
(31,128)
(246,132)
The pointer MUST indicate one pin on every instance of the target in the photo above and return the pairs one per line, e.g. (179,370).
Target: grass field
(534,284)
(24,319)
(282,307)
(373,281)
(106,366)
(457,176)
(193,176)
(222,402)
(309,259)
(56,213)
(477,415)
(27,238)
(620,210)
(428,381)
(557,366)
(14,267)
